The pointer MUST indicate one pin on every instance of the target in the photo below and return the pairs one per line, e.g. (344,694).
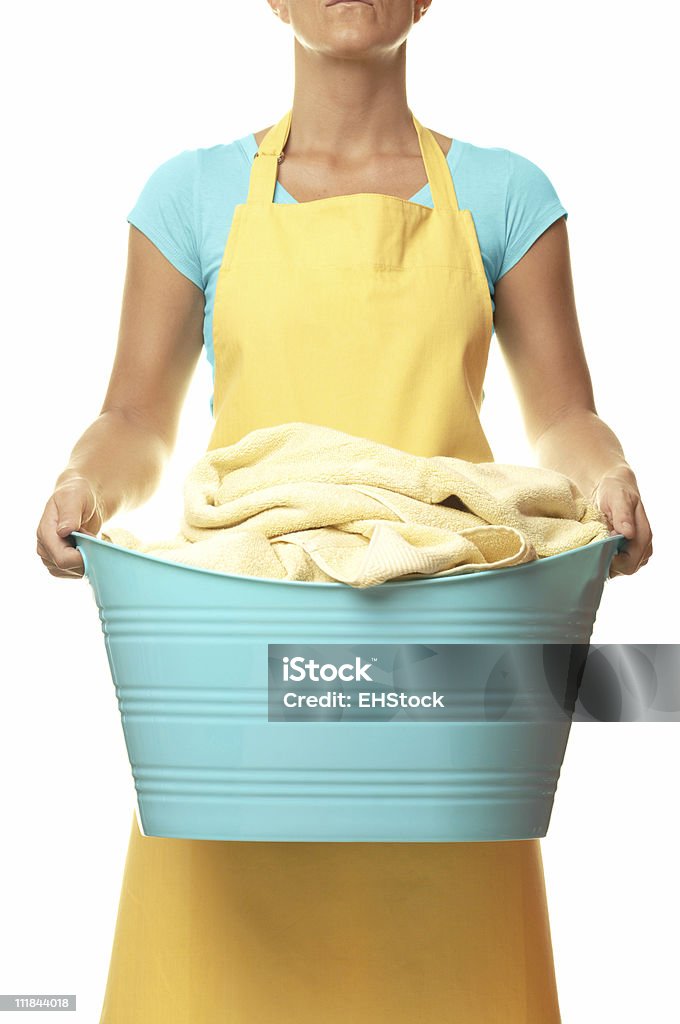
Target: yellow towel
(305,502)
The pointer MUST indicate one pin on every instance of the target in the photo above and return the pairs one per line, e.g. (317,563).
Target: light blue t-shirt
(186,205)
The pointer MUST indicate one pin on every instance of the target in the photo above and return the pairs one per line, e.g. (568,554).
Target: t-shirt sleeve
(531,206)
(165,212)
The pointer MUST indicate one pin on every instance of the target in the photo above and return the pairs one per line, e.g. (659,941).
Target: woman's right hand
(159,343)
(74,505)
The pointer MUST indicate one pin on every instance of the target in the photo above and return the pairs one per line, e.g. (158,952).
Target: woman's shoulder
(512,198)
(192,163)
(177,184)
(508,185)
(184,195)
(512,169)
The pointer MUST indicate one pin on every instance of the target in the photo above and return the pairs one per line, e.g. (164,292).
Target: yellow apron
(366,313)
(371,314)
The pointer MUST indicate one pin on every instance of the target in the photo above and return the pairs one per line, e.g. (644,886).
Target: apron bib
(370,314)
(367,313)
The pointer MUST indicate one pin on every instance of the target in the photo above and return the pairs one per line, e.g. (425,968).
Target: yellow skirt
(327,933)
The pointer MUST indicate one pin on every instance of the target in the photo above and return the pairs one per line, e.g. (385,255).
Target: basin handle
(71,537)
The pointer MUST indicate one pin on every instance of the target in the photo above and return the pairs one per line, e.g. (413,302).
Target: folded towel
(300,501)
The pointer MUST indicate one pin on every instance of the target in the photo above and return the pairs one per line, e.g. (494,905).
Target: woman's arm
(118,461)
(537,328)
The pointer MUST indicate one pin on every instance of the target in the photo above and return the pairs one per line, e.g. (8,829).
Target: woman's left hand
(619,499)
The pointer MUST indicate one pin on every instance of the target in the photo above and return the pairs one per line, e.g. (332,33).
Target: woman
(347,292)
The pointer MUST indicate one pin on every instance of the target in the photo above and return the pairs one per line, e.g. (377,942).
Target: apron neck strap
(265,167)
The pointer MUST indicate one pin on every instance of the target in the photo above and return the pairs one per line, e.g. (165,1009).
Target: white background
(96,97)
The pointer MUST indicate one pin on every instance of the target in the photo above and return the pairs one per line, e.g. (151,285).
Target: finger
(60,554)
(637,552)
(643,529)
(649,550)
(622,514)
(74,504)
(54,570)
(646,555)
(623,561)
(71,564)
(71,574)
(643,536)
